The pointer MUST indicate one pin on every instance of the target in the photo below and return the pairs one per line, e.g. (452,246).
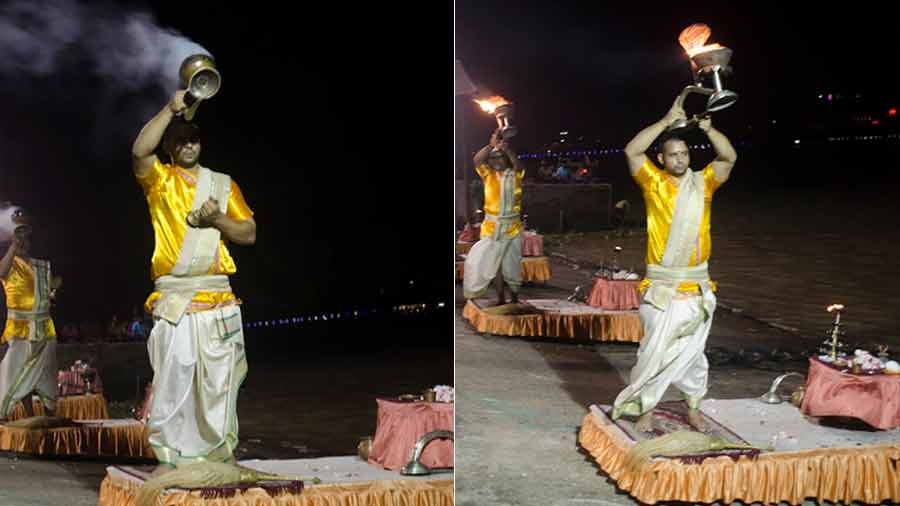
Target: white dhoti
(671,353)
(29,366)
(490,257)
(198,367)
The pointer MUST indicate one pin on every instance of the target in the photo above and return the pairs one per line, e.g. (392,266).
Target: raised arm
(144,147)
(7,260)
(726,156)
(636,150)
(481,157)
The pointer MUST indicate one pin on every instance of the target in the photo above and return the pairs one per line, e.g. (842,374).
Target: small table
(615,294)
(872,398)
(536,269)
(76,407)
(401,424)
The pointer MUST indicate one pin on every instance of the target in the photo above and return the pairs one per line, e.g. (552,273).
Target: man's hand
(16,243)
(705,123)
(208,212)
(177,104)
(19,236)
(676,112)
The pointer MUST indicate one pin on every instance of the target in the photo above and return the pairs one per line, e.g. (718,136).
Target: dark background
(319,120)
(604,70)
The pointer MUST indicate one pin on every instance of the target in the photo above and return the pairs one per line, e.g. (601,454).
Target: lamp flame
(489,105)
(694,37)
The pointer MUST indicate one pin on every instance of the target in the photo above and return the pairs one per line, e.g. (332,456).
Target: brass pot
(797,396)
(364,447)
(199,76)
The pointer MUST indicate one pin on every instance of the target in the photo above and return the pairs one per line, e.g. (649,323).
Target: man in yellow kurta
(197,344)
(29,365)
(678,302)
(498,254)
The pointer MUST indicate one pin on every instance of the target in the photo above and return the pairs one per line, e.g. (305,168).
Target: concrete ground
(520,403)
(313,400)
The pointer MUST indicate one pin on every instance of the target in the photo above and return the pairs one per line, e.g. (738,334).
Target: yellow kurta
(660,191)
(19,289)
(491,179)
(170,194)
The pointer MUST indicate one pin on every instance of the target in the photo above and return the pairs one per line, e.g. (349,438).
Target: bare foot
(696,420)
(645,422)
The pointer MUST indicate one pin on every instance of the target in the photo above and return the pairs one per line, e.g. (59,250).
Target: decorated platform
(345,481)
(112,438)
(534,270)
(554,318)
(798,457)
(76,407)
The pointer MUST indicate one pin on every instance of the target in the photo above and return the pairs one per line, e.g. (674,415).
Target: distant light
(564,133)
(796,141)
(820,96)
(410,281)
(440,304)
(829,97)
(876,122)
(892,112)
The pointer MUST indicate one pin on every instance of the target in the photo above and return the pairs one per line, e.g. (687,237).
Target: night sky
(335,122)
(606,69)
(338,124)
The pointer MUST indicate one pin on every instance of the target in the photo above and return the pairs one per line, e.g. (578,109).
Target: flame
(489,105)
(834,307)
(693,38)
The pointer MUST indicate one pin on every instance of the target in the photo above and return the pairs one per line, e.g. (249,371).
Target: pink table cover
(72,383)
(618,294)
(873,398)
(470,233)
(401,424)
(532,245)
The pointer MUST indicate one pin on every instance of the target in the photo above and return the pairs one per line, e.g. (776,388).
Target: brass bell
(199,76)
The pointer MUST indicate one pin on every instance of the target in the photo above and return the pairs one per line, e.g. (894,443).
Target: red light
(892,112)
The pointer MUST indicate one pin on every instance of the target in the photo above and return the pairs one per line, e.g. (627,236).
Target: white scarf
(683,240)
(198,250)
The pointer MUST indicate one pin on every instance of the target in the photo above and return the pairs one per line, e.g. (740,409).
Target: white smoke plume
(120,62)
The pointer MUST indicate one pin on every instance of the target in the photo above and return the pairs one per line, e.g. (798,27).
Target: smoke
(118,65)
